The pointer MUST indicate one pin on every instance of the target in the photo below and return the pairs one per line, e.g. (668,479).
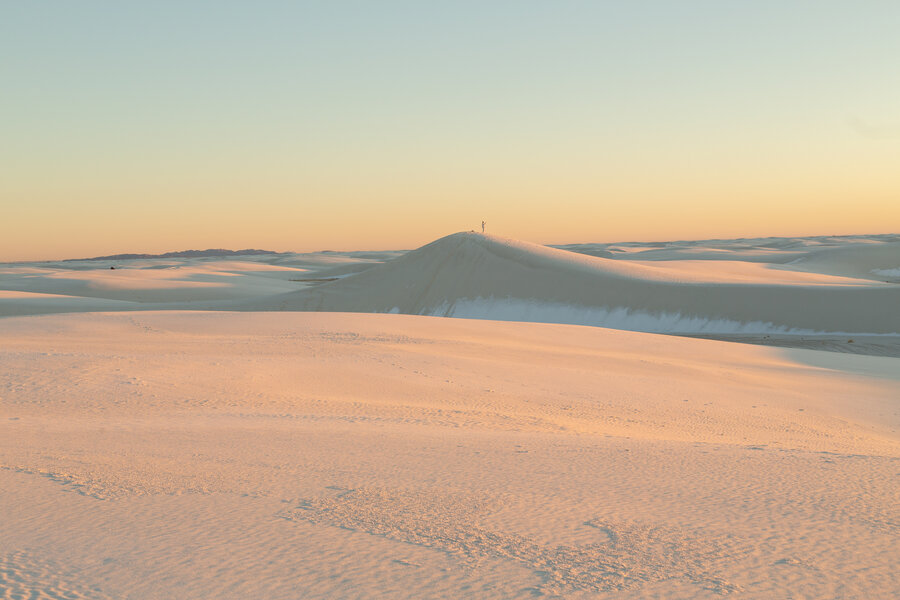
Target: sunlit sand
(480,417)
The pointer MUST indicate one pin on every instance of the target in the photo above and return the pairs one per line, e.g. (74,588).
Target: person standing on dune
(482,227)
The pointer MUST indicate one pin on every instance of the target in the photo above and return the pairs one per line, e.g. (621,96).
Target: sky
(302,126)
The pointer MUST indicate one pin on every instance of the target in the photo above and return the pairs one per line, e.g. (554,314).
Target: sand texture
(212,428)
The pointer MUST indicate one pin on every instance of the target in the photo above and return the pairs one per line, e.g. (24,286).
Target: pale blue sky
(296,125)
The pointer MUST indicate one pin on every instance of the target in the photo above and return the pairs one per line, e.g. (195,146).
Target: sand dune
(864,261)
(15,303)
(765,250)
(139,284)
(817,286)
(478,276)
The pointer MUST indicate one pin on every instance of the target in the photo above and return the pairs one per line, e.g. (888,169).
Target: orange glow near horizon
(301,128)
(283,226)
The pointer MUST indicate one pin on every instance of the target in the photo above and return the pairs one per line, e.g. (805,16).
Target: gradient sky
(156,126)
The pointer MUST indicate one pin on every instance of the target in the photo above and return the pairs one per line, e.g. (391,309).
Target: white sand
(198,454)
(476,276)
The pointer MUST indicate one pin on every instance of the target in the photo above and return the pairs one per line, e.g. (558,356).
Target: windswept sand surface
(179,430)
(234,455)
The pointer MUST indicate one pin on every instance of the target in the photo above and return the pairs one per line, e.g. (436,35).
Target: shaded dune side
(479,276)
(877,262)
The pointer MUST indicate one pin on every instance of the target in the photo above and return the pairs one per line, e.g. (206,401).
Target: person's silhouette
(482,227)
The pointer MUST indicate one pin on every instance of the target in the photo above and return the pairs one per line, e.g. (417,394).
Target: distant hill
(211,252)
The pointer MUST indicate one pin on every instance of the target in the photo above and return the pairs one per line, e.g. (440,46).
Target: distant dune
(211,252)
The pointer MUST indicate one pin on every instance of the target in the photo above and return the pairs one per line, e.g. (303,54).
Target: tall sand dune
(482,276)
